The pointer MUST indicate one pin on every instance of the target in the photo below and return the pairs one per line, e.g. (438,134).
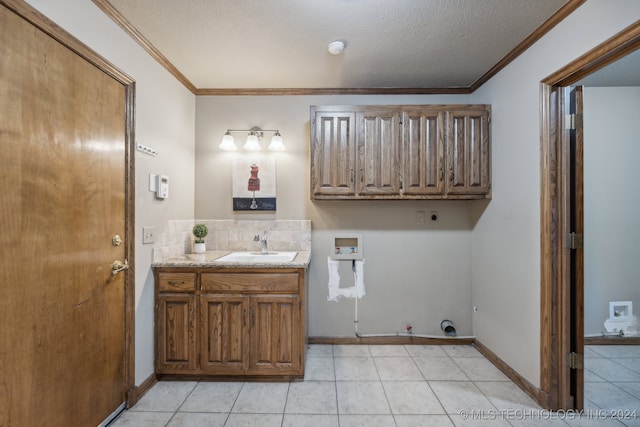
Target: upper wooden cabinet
(468,152)
(333,145)
(401,152)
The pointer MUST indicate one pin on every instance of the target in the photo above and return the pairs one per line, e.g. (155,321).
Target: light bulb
(228,143)
(252,143)
(276,142)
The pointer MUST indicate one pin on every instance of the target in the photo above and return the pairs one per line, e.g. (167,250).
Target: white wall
(611,202)
(165,120)
(506,238)
(417,273)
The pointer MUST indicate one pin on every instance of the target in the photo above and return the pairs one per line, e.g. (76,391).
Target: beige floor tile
(426,350)
(461,351)
(355,369)
(312,397)
(265,398)
(212,397)
(412,397)
(367,421)
(187,419)
(319,369)
(361,398)
(439,369)
(165,396)
(458,396)
(388,351)
(397,369)
(310,420)
(479,369)
(423,421)
(254,420)
(142,419)
(506,396)
(319,350)
(351,350)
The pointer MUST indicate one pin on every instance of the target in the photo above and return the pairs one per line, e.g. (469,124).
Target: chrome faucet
(263,242)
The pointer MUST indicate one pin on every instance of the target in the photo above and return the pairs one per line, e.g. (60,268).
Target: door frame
(556,297)
(44,24)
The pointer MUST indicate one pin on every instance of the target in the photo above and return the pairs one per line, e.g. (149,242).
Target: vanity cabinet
(242,322)
(402,152)
(175,322)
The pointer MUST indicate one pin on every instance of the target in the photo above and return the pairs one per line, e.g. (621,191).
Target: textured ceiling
(283,43)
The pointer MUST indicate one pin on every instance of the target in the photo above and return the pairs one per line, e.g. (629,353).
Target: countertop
(208,259)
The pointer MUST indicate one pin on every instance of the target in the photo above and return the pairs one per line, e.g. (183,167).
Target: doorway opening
(562,302)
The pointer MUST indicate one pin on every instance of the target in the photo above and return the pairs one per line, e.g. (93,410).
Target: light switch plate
(148,235)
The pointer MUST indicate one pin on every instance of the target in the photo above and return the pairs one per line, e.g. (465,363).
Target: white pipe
(355,320)
(398,334)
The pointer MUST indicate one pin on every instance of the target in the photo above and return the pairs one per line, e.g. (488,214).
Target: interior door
(576,258)
(63,166)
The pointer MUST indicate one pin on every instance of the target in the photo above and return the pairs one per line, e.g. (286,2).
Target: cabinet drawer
(250,282)
(176,282)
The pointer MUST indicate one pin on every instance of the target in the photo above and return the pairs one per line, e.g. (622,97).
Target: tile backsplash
(233,235)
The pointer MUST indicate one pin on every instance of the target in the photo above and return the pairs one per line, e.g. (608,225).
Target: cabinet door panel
(176,349)
(333,154)
(468,164)
(423,171)
(379,153)
(275,333)
(223,339)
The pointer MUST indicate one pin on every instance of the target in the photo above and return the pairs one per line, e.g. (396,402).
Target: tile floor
(366,385)
(612,378)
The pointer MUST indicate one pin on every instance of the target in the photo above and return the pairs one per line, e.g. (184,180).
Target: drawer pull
(171,282)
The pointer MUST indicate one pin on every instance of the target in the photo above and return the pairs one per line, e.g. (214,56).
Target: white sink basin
(258,257)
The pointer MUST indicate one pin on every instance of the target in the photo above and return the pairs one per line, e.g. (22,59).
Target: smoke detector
(336,47)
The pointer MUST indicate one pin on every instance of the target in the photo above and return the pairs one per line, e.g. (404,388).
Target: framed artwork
(254,184)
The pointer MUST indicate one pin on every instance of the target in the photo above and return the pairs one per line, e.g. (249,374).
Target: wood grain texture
(404,152)
(176,340)
(247,322)
(176,282)
(224,334)
(334,145)
(423,168)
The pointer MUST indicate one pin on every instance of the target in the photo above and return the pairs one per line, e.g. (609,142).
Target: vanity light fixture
(254,136)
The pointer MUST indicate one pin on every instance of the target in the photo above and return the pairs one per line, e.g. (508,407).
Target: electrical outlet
(420,217)
(148,235)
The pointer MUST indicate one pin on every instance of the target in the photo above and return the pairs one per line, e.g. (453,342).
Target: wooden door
(576,253)
(176,341)
(62,168)
(379,148)
(333,152)
(275,334)
(468,164)
(224,339)
(423,153)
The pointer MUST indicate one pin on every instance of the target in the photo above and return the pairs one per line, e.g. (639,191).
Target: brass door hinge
(575,361)
(574,241)
(573,121)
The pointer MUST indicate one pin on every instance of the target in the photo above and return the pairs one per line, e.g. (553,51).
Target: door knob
(119,266)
